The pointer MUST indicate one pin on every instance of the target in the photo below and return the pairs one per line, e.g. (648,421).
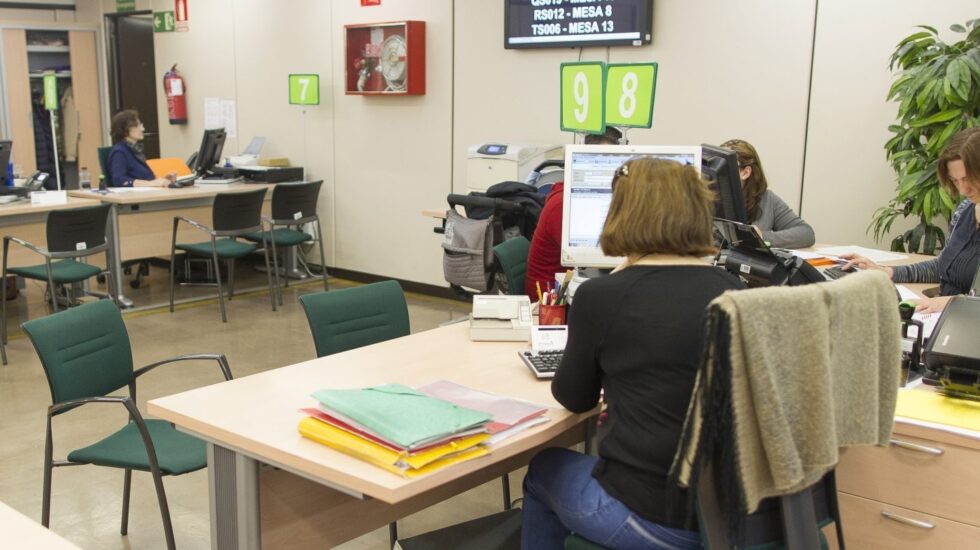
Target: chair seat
(225,248)
(177,452)
(62,271)
(283,236)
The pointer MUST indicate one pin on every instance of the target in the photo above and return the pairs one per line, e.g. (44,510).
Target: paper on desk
(134,189)
(869,253)
(514,430)
(928,320)
(906,293)
(939,410)
(803,254)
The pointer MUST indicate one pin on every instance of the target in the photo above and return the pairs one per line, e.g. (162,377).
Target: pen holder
(551,315)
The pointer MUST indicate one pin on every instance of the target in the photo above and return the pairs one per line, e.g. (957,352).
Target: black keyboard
(543,363)
(834,273)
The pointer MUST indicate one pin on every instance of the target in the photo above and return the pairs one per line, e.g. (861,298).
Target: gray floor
(86,500)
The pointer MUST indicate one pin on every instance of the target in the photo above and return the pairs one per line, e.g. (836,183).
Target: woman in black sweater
(636,334)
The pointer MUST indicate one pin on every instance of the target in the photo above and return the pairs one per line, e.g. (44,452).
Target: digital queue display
(576,23)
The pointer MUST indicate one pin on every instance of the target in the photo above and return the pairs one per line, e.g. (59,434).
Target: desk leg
(116,271)
(233,483)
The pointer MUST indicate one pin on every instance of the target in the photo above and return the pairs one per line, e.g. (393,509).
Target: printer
(500,318)
(490,163)
(953,351)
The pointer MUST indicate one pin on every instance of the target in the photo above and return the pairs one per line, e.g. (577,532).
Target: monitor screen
(563,24)
(209,155)
(589,171)
(5,147)
(720,167)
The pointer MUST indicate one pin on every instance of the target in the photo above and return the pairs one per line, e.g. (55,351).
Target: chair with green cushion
(350,318)
(233,215)
(512,257)
(86,354)
(293,204)
(72,234)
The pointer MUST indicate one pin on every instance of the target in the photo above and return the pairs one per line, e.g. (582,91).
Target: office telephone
(34,183)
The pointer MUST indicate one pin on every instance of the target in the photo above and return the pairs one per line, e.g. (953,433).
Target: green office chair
(233,215)
(293,204)
(512,257)
(86,354)
(72,234)
(342,320)
(104,161)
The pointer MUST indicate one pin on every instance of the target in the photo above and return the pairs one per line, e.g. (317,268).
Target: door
(132,74)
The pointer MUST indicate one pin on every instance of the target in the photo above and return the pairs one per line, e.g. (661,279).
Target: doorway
(132,72)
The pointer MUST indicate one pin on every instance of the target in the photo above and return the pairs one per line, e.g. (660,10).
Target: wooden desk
(321,497)
(149,233)
(23,532)
(29,222)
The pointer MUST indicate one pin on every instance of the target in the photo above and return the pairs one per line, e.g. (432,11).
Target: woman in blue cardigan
(127,163)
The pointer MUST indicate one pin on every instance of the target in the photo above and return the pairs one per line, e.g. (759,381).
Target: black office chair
(293,204)
(233,215)
(72,234)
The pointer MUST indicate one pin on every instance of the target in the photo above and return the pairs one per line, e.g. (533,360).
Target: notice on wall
(228,120)
(212,113)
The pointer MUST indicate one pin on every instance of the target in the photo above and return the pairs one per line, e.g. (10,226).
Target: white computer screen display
(589,170)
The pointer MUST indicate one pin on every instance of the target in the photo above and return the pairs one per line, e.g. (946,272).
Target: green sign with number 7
(630,89)
(582,90)
(304,89)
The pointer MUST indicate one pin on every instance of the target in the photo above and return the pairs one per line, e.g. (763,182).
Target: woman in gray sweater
(780,226)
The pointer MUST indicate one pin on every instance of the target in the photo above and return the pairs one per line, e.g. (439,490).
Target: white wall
(727,70)
(847,176)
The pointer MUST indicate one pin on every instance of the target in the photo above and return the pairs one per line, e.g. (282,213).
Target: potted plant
(938,93)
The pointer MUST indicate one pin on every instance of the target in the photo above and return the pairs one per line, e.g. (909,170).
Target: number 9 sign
(629,94)
(582,91)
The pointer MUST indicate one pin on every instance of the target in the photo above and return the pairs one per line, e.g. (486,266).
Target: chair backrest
(353,317)
(295,201)
(77,229)
(84,350)
(237,211)
(512,257)
(104,161)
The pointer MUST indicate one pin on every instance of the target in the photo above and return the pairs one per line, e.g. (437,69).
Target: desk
(29,222)
(23,532)
(149,234)
(319,497)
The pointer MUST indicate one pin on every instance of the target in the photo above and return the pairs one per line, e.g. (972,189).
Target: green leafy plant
(938,93)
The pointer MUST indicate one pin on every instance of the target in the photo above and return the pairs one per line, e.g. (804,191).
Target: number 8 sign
(629,94)
(581,97)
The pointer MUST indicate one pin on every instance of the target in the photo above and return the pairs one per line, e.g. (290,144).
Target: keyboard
(834,273)
(543,363)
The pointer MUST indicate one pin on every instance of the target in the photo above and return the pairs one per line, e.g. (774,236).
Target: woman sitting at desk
(637,334)
(127,163)
(779,225)
(956,265)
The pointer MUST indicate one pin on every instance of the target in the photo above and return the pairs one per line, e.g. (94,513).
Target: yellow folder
(402,463)
(940,409)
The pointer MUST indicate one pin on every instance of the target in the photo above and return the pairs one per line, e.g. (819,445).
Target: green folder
(400,414)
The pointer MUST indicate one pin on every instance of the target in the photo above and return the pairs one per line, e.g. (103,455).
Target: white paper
(212,113)
(228,117)
(906,293)
(548,337)
(49,197)
(514,430)
(806,255)
(135,189)
(869,253)
(928,320)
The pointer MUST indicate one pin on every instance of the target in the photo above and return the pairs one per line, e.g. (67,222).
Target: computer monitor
(209,154)
(720,167)
(589,170)
(4,160)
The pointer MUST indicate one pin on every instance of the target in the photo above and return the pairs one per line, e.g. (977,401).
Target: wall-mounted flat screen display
(576,23)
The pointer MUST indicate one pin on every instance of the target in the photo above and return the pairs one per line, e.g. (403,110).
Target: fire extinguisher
(173,86)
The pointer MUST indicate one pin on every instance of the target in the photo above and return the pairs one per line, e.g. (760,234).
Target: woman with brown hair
(635,334)
(127,164)
(958,168)
(780,225)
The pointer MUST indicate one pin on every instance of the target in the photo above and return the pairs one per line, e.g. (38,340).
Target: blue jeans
(561,496)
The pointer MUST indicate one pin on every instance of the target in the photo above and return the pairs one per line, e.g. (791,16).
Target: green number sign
(581,97)
(304,89)
(630,90)
(50,91)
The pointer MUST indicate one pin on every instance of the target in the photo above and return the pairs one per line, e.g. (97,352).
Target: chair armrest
(65,406)
(193,224)
(219,357)
(8,239)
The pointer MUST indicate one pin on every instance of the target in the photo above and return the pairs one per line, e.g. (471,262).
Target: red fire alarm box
(385,58)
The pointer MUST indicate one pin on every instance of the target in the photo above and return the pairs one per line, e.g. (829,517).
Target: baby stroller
(506,211)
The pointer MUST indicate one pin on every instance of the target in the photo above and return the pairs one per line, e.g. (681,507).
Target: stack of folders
(396,428)
(413,432)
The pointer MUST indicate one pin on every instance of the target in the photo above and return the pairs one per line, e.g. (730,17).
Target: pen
(538,284)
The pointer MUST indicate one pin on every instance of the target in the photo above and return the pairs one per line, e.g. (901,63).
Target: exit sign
(164,21)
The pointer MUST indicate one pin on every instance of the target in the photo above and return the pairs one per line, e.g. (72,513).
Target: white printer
(490,163)
(500,318)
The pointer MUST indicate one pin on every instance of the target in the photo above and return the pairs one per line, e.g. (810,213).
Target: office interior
(804,81)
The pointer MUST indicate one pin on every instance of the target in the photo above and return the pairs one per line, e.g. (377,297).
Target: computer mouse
(173,185)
